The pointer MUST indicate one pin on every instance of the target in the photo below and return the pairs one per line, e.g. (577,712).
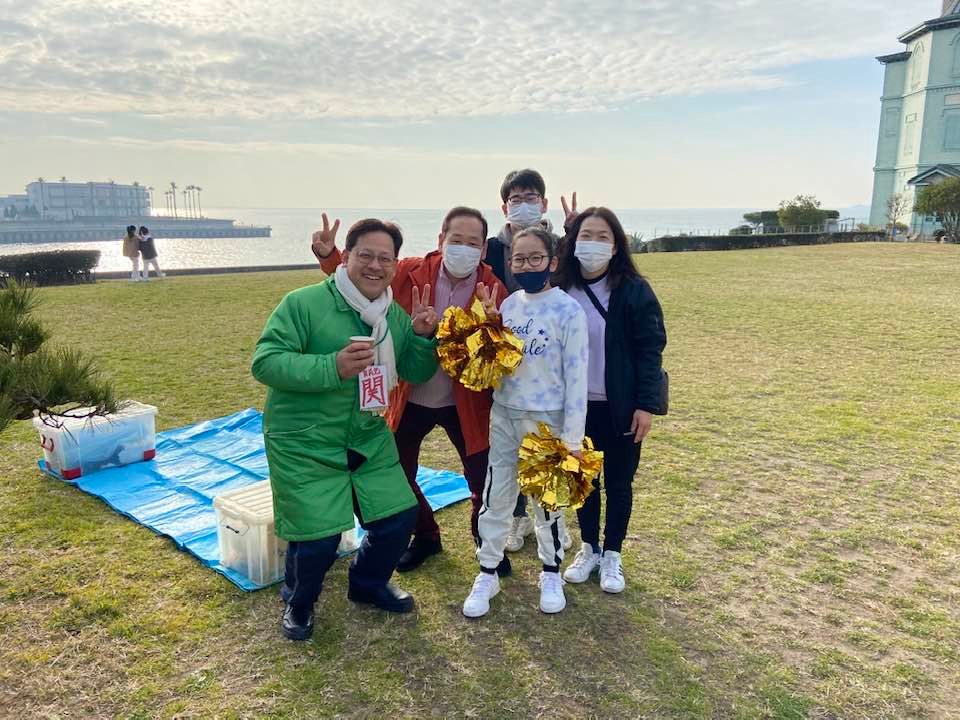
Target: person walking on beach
(627,337)
(131,249)
(149,252)
(329,355)
(456,275)
(524,204)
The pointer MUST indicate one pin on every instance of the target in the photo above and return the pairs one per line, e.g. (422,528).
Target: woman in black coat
(627,338)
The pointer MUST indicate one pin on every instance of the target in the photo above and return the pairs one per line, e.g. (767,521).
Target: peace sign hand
(488,298)
(325,241)
(569,211)
(422,314)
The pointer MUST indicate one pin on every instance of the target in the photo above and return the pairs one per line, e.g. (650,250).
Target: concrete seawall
(125,274)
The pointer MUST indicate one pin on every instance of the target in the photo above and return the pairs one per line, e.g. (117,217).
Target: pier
(90,229)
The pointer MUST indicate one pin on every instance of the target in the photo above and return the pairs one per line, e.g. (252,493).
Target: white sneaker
(485,587)
(551,593)
(565,538)
(519,529)
(161,275)
(134,277)
(583,565)
(611,572)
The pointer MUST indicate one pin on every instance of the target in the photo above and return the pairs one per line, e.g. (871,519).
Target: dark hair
(549,240)
(144,230)
(522,180)
(463,211)
(621,264)
(370,225)
(131,229)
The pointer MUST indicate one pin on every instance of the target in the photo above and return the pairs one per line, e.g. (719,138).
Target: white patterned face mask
(525,214)
(460,260)
(593,255)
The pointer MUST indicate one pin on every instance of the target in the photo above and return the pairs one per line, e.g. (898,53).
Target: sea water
(292,228)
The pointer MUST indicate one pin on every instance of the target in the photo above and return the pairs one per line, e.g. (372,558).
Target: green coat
(312,417)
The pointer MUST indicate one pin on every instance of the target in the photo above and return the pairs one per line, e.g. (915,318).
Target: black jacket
(496,258)
(634,340)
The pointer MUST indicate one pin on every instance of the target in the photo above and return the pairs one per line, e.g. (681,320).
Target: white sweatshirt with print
(553,373)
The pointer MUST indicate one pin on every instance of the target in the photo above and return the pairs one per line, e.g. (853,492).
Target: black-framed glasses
(535,261)
(530,197)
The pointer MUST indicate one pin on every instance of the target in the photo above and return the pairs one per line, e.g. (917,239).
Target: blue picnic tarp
(173,493)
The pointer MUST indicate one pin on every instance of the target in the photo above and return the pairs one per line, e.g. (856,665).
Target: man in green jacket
(328,457)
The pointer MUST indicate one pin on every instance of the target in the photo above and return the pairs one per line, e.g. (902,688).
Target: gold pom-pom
(476,350)
(551,474)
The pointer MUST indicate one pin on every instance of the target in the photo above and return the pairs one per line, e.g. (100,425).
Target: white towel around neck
(374,314)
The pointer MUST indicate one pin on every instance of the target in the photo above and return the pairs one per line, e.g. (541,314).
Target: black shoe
(389,598)
(415,555)
(295,625)
(505,569)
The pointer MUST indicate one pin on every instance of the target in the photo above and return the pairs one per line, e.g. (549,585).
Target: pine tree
(61,381)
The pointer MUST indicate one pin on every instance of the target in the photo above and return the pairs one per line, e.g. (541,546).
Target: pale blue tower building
(919,141)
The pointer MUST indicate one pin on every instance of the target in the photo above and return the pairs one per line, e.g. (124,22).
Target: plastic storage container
(248,544)
(245,533)
(80,446)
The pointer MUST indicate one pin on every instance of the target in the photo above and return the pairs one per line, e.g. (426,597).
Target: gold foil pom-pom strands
(552,475)
(475,350)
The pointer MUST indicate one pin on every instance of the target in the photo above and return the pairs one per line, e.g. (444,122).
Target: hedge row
(59,267)
(747,242)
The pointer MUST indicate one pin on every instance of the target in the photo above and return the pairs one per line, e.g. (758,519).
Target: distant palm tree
(197,189)
(43,204)
(173,194)
(63,178)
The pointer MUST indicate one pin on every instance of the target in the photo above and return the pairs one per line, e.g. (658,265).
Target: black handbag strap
(596,303)
(664,377)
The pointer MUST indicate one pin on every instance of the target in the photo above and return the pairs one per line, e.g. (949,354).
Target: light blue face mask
(524,215)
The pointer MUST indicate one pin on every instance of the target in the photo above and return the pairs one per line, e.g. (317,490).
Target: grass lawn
(793,551)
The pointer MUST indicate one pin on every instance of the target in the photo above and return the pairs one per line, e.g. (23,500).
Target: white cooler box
(246,536)
(81,446)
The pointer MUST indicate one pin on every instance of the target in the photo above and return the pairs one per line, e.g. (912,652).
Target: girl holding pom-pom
(549,386)
(627,338)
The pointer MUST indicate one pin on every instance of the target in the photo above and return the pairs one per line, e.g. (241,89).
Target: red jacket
(473,408)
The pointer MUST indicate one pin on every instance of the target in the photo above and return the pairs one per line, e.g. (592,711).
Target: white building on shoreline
(68,201)
(919,141)
(17,204)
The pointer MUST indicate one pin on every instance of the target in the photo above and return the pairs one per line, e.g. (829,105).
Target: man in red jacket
(456,275)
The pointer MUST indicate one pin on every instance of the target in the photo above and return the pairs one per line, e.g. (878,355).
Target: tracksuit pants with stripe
(507,430)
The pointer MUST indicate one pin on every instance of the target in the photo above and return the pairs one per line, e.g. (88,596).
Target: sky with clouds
(295,103)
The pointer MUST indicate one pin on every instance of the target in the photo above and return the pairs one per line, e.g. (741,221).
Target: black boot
(388,597)
(297,624)
(504,568)
(417,553)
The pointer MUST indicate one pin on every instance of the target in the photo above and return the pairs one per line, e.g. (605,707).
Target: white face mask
(524,215)
(593,256)
(460,260)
